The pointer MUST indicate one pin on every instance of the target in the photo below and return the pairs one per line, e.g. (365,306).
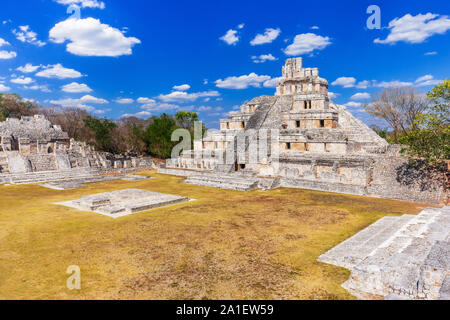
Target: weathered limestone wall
(378,176)
(395,178)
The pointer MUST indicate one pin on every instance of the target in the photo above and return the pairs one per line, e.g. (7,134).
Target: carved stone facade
(312,143)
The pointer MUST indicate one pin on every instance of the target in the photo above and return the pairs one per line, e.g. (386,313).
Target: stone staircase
(42,162)
(405,257)
(255,123)
(224,181)
(357,130)
(46,176)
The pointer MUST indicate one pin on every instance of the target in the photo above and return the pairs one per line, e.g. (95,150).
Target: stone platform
(231,181)
(405,257)
(76,183)
(123,202)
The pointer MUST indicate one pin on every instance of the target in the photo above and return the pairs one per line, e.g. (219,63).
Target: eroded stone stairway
(241,181)
(405,257)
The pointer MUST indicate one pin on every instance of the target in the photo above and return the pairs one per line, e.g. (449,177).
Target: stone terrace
(405,257)
(124,202)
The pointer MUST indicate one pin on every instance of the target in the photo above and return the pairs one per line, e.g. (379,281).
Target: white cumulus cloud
(427,80)
(80,103)
(7,54)
(272,83)
(307,43)
(182,96)
(25,34)
(346,82)
(230,37)
(415,29)
(83,3)
(263,58)
(90,37)
(332,95)
(43,88)
(4,88)
(353,104)
(71,103)
(183,87)
(76,87)
(363,84)
(59,72)
(242,82)
(22,80)
(360,96)
(145,100)
(269,36)
(394,83)
(124,101)
(91,99)
(3,42)
(28,68)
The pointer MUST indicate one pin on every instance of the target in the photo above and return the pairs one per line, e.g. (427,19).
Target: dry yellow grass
(225,245)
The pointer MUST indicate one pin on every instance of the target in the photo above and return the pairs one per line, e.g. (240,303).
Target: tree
(128,136)
(381,132)
(71,121)
(186,119)
(102,130)
(439,96)
(158,136)
(399,107)
(13,106)
(430,137)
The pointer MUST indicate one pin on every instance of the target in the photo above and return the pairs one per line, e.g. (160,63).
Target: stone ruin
(299,138)
(120,203)
(34,150)
(406,257)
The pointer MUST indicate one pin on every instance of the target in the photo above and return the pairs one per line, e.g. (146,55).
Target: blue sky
(147,57)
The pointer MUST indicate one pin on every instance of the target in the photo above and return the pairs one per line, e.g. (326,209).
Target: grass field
(224,245)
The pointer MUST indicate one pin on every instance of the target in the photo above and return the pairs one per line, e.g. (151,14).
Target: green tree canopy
(430,137)
(186,119)
(158,136)
(103,133)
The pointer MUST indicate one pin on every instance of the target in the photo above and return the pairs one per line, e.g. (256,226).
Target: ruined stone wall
(395,178)
(33,144)
(381,176)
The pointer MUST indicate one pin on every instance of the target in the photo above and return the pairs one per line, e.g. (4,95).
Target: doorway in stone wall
(238,166)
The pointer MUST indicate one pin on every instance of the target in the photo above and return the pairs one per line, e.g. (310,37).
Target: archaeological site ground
(224,245)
